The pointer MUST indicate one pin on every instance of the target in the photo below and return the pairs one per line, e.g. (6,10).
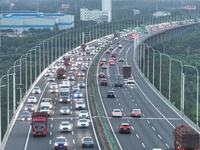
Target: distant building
(21,21)
(95,15)
(161,13)
(104,15)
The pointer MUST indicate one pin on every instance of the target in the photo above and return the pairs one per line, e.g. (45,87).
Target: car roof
(116,109)
(125,124)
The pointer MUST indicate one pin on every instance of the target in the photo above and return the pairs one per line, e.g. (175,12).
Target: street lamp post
(0,99)
(160,80)
(181,102)
(197,112)
(170,74)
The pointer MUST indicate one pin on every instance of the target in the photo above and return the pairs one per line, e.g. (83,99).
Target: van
(45,107)
(64,93)
(48,100)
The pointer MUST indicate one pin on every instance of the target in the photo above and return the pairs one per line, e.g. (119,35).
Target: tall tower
(107,6)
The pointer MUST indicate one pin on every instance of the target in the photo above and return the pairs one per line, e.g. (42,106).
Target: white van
(45,107)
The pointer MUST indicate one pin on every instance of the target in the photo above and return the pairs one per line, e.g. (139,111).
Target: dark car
(87,142)
(107,51)
(124,128)
(111,94)
(121,59)
(104,82)
(114,54)
(60,143)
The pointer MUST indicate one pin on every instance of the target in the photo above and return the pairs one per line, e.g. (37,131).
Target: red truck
(61,72)
(39,123)
(83,47)
(66,59)
(126,71)
(185,138)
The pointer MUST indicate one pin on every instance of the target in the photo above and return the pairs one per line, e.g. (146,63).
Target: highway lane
(155,127)
(21,130)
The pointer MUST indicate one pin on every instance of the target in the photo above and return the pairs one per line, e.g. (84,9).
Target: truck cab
(45,107)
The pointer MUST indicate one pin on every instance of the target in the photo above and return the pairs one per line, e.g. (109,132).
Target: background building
(104,15)
(21,21)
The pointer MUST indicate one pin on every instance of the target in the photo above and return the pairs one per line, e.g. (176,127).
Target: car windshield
(82,120)
(64,93)
(36,88)
(117,111)
(79,103)
(83,111)
(25,113)
(29,105)
(136,110)
(31,97)
(60,140)
(65,123)
(87,139)
(38,124)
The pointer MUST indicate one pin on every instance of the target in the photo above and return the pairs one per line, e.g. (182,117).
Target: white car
(48,73)
(74,68)
(119,46)
(81,74)
(51,79)
(36,90)
(80,105)
(65,81)
(53,85)
(117,113)
(79,58)
(65,126)
(32,99)
(83,123)
(83,114)
(75,88)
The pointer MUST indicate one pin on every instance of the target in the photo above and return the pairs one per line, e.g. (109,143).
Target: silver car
(64,110)
(26,115)
(32,99)
(29,107)
(65,126)
(80,105)
(83,123)
(36,90)
(83,114)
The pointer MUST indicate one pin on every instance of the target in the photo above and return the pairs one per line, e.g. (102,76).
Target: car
(80,105)
(61,60)
(71,77)
(65,126)
(54,90)
(88,58)
(119,46)
(124,128)
(83,69)
(104,82)
(81,74)
(117,42)
(54,85)
(54,67)
(83,114)
(130,81)
(102,75)
(104,66)
(102,63)
(111,94)
(112,63)
(85,64)
(87,142)
(74,64)
(103,60)
(136,113)
(117,113)
(92,52)
(48,73)
(51,79)
(65,81)
(121,59)
(108,51)
(114,54)
(26,116)
(111,60)
(81,84)
(78,94)
(111,48)
(83,123)
(73,51)
(29,107)
(73,68)
(75,88)
(32,99)
(60,143)
(64,110)
(36,90)
(79,58)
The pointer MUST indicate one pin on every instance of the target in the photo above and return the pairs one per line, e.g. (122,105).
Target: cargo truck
(116,35)
(185,138)
(119,80)
(39,123)
(126,71)
(83,47)
(66,59)
(61,72)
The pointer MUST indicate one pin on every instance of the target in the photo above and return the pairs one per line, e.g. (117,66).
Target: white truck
(45,107)
(64,93)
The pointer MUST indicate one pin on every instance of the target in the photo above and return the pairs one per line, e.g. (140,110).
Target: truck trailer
(185,138)
(126,71)
(61,72)
(119,80)
(39,123)
(83,47)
